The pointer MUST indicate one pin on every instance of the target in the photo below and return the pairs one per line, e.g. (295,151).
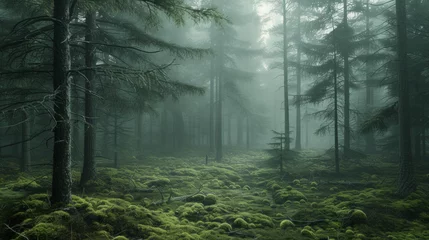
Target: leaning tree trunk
(406,182)
(285,79)
(61,172)
(89,169)
(346,86)
(26,143)
(298,83)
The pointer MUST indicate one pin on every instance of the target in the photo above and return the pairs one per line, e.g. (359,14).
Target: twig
(20,234)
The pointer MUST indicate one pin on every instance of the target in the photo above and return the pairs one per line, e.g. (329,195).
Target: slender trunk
(212,105)
(346,87)
(298,82)
(229,131)
(219,129)
(285,79)
(164,129)
(247,133)
(76,143)
(115,140)
(105,148)
(89,168)
(369,137)
(139,132)
(61,172)
(406,182)
(150,130)
(240,130)
(281,154)
(26,143)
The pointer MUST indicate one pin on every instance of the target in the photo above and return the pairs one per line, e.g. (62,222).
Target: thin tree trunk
(247,132)
(115,140)
(89,168)
(346,87)
(26,143)
(139,132)
(369,137)
(229,131)
(406,182)
(150,130)
(240,121)
(212,105)
(298,82)
(285,79)
(61,172)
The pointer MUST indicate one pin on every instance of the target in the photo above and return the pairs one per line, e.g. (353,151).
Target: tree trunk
(369,137)
(26,143)
(76,143)
(115,140)
(61,172)
(139,132)
(247,132)
(89,168)
(240,121)
(229,131)
(212,105)
(285,79)
(406,182)
(346,87)
(298,83)
(150,130)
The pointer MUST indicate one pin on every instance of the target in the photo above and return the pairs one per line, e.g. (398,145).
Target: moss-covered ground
(242,197)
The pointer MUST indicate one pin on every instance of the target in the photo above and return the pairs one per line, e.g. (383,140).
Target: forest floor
(242,197)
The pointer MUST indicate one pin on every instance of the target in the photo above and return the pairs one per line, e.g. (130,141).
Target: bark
(212,104)
(139,131)
(247,132)
(346,86)
(240,121)
(26,143)
(89,168)
(61,172)
(406,182)
(285,79)
(298,82)
(369,137)
(115,140)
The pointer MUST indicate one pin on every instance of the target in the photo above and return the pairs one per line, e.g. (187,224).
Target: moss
(281,196)
(246,187)
(54,217)
(313,189)
(308,233)
(296,182)
(313,184)
(191,211)
(146,231)
(289,188)
(45,231)
(358,217)
(158,183)
(24,183)
(196,198)
(184,172)
(285,224)
(240,223)
(350,232)
(128,197)
(302,201)
(120,238)
(210,199)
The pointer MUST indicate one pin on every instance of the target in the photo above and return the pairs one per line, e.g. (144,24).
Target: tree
(61,174)
(406,182)
(285,77)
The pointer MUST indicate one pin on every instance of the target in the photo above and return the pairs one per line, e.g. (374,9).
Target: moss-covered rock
(191,211)
(282,195)
(196,198)
(210,199)
(308,233)
(285,224)
(240,223)
(45,231)
(120,238)
(358,217)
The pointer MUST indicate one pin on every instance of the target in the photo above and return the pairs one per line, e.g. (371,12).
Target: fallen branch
(20,234)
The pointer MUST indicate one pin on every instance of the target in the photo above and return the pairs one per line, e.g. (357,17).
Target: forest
(214,119)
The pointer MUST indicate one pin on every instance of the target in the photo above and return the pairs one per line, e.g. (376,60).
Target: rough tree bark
(285,79)
(61,173)
(406,182)
(89,168)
